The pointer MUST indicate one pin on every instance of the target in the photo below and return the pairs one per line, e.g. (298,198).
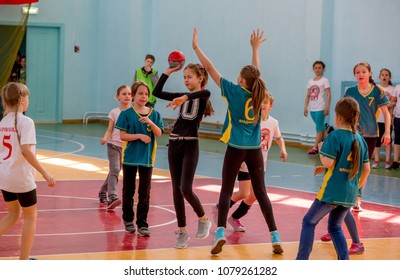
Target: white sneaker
(183,238)
(203,228)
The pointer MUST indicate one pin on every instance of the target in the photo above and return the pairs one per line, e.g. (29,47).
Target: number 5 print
(7,145)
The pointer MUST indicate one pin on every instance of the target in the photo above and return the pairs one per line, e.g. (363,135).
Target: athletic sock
(241,210)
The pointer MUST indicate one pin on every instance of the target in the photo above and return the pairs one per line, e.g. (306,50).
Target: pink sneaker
(235,223)
(356,208)
(326,237)
(313,151)
(356,249)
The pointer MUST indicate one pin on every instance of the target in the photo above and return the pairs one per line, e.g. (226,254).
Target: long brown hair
(257,87)
(366,65)
(348,109)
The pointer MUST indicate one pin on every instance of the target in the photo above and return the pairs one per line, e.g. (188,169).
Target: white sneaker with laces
(203,228)
(183,238)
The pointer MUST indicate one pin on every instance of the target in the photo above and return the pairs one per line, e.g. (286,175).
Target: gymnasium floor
(73,226)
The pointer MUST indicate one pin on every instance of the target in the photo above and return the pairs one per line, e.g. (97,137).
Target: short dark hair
(319,62)
(150,56)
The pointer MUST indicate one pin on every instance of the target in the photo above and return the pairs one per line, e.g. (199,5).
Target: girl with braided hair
(344,154)
(18,163)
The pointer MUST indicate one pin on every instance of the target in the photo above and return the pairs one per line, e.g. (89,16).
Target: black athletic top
(191,111)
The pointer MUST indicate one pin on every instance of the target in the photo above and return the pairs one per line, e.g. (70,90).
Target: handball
(176,58)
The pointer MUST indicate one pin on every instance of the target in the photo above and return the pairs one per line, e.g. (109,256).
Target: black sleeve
(205,94)
(159,93)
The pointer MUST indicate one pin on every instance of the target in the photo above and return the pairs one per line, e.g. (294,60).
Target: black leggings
(371,143)
(255,164)
(183,156)
(128,192)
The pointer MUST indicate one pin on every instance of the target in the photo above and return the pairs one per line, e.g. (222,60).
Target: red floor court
(71,221)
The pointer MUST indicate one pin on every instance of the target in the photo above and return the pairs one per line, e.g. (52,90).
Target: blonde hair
(11,97)
(269,97)
(120,89)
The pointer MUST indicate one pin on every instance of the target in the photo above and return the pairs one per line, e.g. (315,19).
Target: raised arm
(256,39)
(158,89)
(212,71)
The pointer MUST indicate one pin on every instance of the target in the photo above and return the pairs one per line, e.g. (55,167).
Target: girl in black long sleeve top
(183,148)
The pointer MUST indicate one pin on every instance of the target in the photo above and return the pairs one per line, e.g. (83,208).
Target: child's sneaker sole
(115,203)
(217,247)
(277,249)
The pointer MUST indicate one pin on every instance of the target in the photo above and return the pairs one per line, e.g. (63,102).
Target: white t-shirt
(317,93)
(115,138)
(269,130)
(396,111)
(16,174)
(389,91)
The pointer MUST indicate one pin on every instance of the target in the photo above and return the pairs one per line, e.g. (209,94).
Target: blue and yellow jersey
(337,188)
(369,108)
(137,153)
(239,130)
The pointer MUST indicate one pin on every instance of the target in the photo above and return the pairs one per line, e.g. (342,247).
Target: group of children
(378,118)
(248,132)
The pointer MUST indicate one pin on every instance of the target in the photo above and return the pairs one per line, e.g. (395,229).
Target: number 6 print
(248,109)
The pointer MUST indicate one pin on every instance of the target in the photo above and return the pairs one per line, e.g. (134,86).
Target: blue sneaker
(276,243)
(219,241)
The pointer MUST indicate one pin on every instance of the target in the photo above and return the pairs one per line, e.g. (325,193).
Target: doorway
(44,72)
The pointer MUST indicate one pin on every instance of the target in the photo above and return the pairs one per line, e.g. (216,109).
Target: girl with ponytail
(241,132)
(344,154)
(18,163)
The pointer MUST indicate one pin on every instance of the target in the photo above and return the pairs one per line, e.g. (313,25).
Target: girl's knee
(14,216)
(309,221)
(187,194)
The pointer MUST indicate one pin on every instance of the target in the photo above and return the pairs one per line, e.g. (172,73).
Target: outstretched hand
(176,102)
(195,40)
(170,70)
(257,38)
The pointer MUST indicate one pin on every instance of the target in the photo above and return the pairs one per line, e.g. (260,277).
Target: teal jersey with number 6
(239,130)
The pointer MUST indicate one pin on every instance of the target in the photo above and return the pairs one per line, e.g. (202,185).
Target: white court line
(88,209)
(81,146)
